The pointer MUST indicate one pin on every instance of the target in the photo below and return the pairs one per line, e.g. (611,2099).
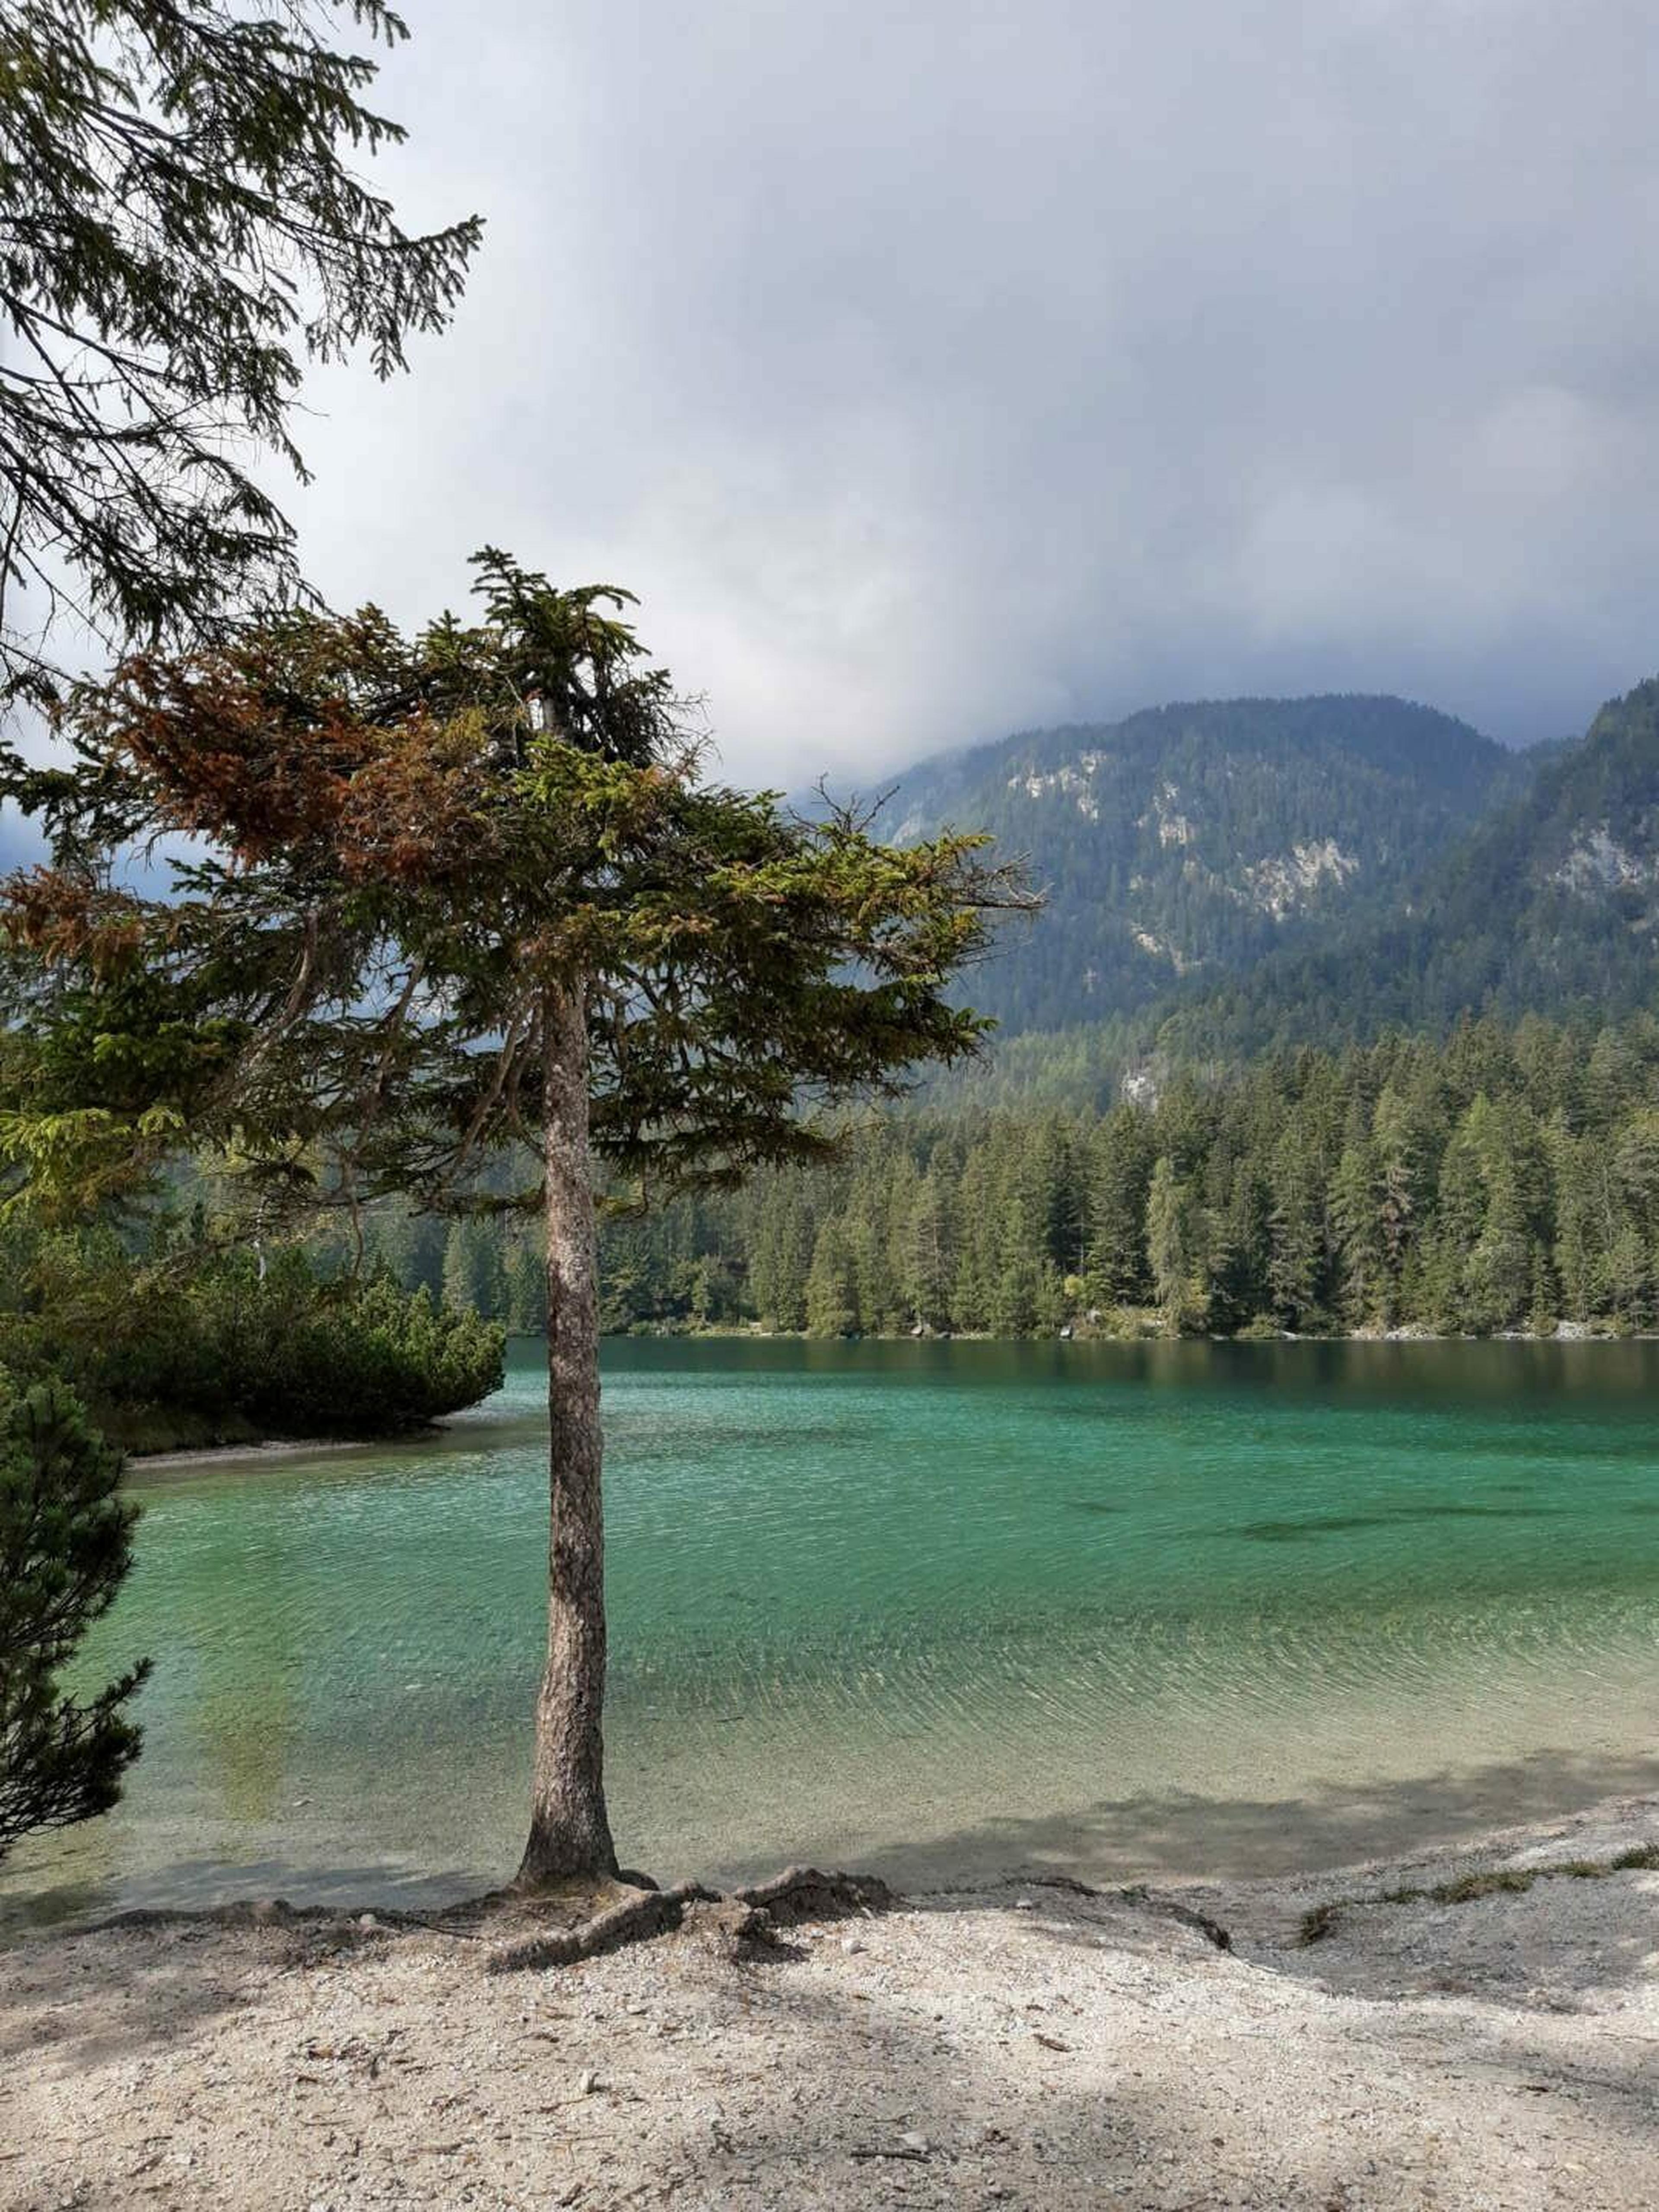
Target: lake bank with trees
(175,1342)
(370,985)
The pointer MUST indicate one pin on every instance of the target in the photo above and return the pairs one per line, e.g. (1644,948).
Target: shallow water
(933,1608)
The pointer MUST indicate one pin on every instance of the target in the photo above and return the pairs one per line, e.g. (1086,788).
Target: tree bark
(569,1829)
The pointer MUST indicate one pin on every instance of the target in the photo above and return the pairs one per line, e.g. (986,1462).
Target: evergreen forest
(1506,1178)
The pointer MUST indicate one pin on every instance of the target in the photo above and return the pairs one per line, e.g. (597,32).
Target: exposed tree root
(1136,1893)
(803,1894)
(745,1923)
(742,1924)
(1172,1909)
(635,1915)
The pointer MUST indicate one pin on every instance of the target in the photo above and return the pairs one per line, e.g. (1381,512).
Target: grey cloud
(932,369)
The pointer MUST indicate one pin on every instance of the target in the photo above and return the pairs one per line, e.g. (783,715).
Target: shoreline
(1563,1333)
(286,1448)
(269,1447)
(188,1458)
(194,1455)
(1467,2028)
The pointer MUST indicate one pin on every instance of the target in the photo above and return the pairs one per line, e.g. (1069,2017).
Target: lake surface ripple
(933,1608)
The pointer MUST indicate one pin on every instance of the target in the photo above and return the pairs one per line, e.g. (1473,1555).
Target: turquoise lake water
(931,1609)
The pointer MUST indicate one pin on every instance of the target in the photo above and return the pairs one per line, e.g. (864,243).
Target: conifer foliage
(181,228)
(458,897)
(65,1546)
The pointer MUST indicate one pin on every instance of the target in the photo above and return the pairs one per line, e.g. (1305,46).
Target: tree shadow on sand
(1190,1837)
(1060,2056)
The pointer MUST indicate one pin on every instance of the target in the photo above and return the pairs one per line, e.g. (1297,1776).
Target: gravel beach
(1024,2045)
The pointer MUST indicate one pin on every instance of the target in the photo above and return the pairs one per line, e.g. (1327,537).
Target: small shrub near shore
(207,1346)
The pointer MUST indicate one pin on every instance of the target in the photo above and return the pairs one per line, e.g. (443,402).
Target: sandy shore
(1028,2045)
(271,1448)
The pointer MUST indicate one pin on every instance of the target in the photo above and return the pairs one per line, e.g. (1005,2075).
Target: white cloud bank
(933,368)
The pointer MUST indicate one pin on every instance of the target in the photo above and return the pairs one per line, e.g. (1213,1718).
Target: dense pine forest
(1505,1179)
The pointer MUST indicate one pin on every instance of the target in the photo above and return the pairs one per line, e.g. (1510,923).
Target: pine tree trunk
(569,1832)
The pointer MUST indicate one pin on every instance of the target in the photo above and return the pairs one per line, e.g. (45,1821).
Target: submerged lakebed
(933,1609)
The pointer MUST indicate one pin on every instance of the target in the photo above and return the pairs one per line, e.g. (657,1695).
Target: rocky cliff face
(1549,904)
(1191,841)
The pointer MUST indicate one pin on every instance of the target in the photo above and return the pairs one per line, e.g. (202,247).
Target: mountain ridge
(1198,836)
(1546,903)
(1549,905)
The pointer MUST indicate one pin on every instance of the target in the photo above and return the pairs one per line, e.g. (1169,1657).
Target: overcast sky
(937,369)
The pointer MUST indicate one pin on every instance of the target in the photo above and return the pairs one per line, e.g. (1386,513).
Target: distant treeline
(1507,1178)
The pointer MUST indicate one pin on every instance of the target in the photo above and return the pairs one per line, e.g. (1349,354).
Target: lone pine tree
(452,897)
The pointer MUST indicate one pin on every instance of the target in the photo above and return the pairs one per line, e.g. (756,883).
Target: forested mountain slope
(1549,906)
(1193,840)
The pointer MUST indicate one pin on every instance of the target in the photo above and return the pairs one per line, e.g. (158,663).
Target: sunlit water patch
(935,1608)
